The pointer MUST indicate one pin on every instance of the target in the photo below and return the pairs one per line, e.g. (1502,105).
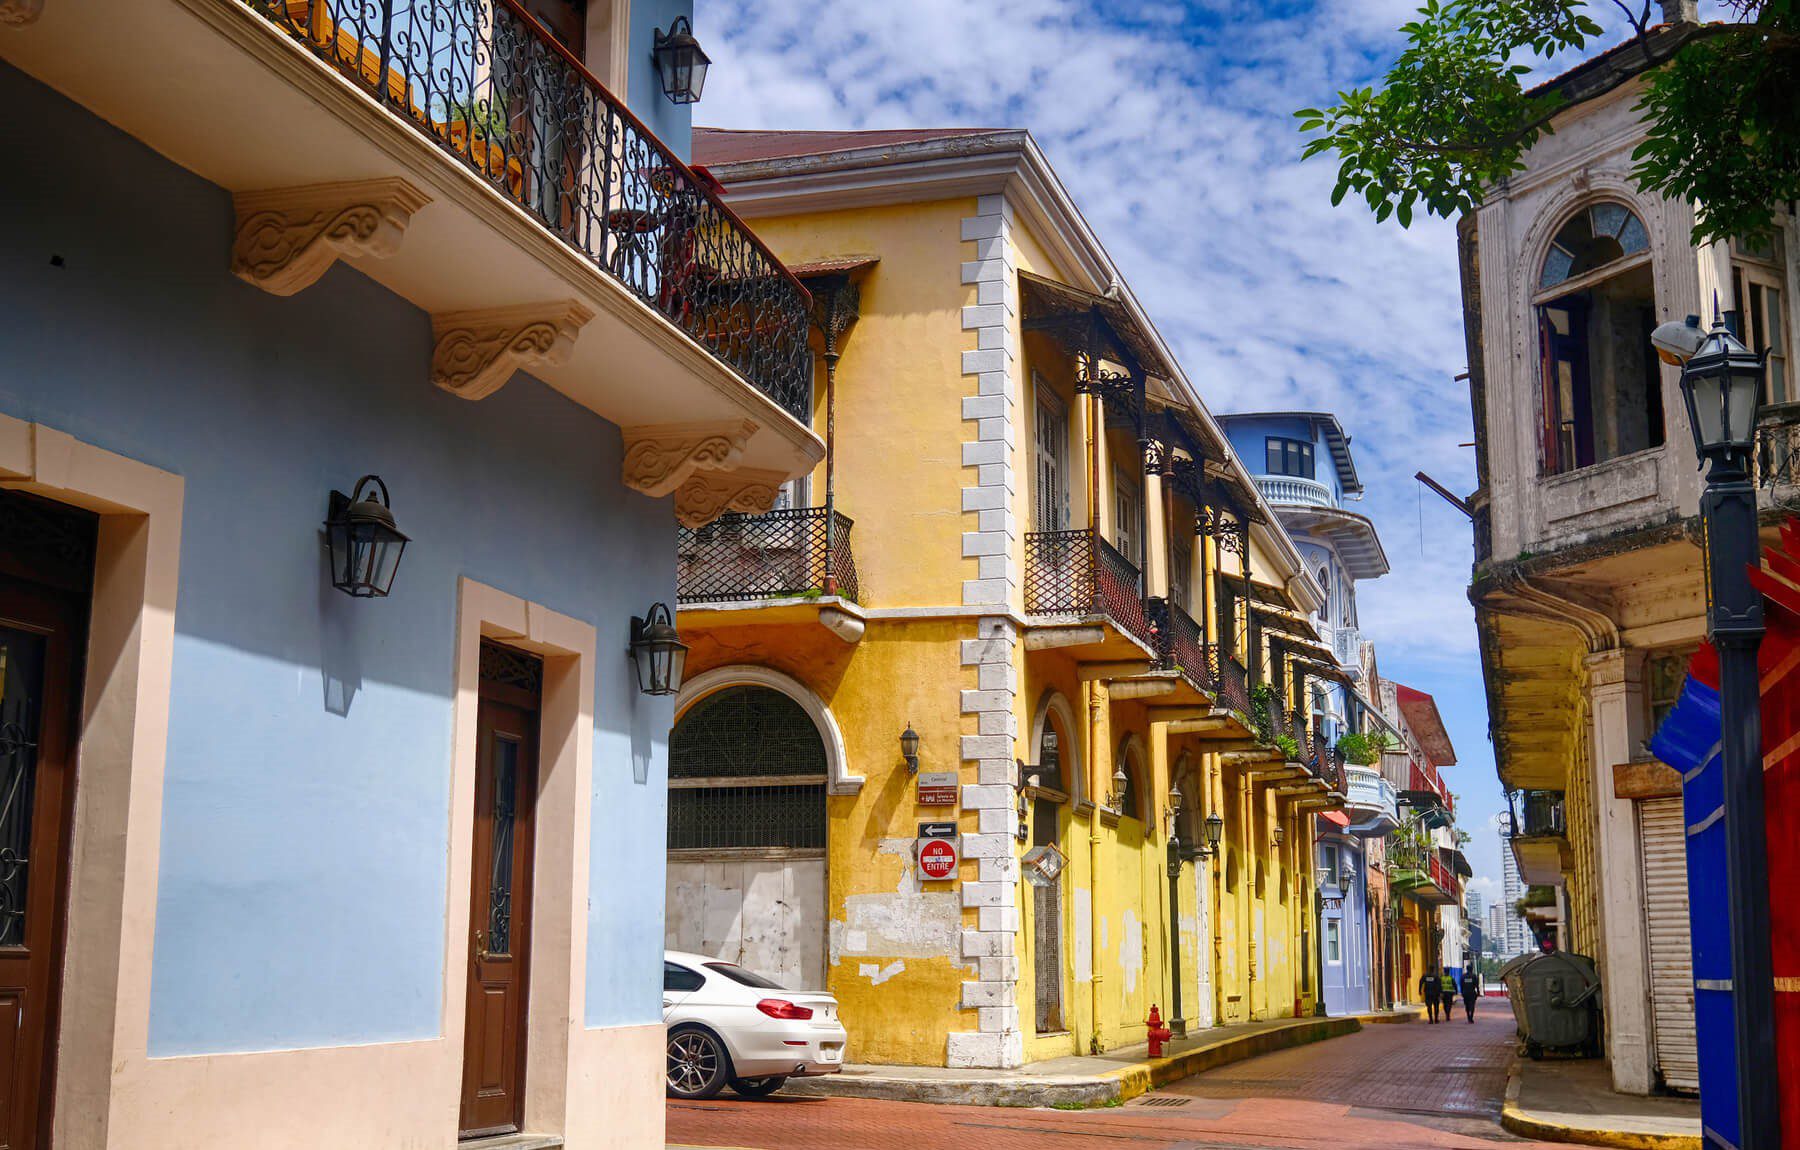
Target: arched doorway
(746,860)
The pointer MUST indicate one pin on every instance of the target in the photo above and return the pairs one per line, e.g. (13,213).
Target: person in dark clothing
(1449,992)
(1431,990)
(1471,989)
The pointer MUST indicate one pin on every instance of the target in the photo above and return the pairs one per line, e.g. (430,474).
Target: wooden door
(39,633)
(499,909)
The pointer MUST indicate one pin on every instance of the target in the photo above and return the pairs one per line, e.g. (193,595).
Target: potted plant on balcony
(1364,749)
(1264,706)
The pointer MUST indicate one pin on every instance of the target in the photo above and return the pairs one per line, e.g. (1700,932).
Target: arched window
(1592,238)
(746,770)
(1596,302)
(1051,772)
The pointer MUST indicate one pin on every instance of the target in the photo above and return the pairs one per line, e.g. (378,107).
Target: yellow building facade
(1031,549)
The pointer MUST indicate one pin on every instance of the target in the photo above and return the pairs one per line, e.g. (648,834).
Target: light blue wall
(302,892)
(1249,434)
(1347,982)
(644,94)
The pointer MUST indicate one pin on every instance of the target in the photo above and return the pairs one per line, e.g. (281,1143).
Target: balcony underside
(229,96)
(1543,859)
(1088,639)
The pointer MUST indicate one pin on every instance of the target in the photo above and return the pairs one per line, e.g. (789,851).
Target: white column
(1616,706)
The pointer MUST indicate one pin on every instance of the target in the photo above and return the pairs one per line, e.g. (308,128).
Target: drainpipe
(1215,787)
(1096,769)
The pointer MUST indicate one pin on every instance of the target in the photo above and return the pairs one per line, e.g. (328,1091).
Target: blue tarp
(1688,740)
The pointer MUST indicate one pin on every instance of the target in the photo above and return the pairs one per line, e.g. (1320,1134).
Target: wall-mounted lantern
(680,62)
(365,544)
(1027,782)
(1175,798)
(909,749)
(1215,831)
(1348,877)
(1120,781)
(1280,834)
(658,651)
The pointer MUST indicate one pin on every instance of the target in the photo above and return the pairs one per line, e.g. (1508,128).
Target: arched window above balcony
(1593,237)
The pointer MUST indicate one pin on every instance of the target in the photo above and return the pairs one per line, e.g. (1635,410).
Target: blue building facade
(1303,466)
(307,859)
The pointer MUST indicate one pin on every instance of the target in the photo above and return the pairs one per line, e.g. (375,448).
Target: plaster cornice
(1000,162)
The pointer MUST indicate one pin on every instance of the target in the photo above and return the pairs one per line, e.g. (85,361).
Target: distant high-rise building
(1476,908)
(1518,939)
(1496,928)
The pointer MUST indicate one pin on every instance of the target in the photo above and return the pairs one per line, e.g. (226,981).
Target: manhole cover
(1163,1100)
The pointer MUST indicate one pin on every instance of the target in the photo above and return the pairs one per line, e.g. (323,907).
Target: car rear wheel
(758,1087)
(698,1066)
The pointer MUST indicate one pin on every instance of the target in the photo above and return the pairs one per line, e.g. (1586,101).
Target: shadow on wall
(340,658)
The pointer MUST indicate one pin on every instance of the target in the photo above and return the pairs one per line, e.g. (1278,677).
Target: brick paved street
(1413,1085)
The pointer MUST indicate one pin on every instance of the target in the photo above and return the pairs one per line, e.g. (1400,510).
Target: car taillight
(782,1008)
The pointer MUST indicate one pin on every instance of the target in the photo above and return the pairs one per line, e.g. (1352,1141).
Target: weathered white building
(1588,587)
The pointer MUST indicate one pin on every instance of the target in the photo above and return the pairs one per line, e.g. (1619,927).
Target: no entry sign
(937,859)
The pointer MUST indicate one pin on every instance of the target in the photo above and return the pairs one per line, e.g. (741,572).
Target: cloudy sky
(1172,125)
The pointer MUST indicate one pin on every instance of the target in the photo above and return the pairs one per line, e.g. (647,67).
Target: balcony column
(1156,520)
(1616,705)
(835,306)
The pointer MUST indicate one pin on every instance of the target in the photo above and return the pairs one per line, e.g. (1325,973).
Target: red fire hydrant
(1159,1033)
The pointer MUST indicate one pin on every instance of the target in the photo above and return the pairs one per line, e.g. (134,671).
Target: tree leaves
(1453,118)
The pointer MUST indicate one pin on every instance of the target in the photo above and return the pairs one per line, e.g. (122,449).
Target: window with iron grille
(746,772)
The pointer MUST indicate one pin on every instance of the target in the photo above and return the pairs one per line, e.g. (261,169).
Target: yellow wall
(895,959)
(899,421)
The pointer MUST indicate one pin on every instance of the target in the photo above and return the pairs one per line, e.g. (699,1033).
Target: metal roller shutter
(1664,845)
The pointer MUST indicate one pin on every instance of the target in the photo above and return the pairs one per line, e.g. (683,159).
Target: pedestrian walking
(1471,989)
(1430,989)
(1448,991)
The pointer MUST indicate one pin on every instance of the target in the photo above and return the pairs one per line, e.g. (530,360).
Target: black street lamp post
(1721,385)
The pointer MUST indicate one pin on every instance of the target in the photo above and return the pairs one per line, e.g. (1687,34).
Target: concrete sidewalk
(1087,1080)
(1573,1101)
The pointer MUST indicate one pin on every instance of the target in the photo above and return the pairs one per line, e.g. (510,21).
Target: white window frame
(1747,271)
(1128,518)
(1334,942)
(1050,416)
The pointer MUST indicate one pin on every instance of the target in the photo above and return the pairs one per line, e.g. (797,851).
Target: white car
(731,1026)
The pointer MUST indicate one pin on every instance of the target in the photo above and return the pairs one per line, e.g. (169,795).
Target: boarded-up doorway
(746,865)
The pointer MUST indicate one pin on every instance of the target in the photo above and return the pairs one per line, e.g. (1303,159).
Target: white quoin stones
(990,685)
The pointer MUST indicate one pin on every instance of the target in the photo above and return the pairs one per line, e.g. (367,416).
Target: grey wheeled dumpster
(1555,1000)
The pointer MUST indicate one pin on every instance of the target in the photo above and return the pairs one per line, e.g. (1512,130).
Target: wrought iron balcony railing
(487,83)
(1184,649)
(1077,574)
(776,555)
(1777,456)
(1233,680)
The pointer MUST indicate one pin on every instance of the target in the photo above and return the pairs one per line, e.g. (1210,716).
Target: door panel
(499,917)
(38,640)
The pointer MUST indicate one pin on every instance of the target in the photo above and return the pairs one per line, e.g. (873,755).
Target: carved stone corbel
(288,237)
(659,458)
(19,13)
(710,494)
(478,351)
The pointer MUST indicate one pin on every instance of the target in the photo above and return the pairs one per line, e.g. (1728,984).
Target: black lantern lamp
(658,651)
(681,62)
(365,544)
(1721,383)
(909,749)
(1215,831)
